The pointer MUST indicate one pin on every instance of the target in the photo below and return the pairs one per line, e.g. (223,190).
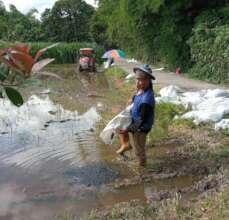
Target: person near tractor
(142,114)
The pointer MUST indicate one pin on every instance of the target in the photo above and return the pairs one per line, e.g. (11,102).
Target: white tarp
(223,124)
(122,120)
(131,60)
(206,105)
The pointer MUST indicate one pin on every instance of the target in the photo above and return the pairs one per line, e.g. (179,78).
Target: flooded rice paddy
(52,160)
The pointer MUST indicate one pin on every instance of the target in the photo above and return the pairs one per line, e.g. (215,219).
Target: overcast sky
(25,5)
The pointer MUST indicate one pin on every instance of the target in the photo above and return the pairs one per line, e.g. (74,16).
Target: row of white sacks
(209,105)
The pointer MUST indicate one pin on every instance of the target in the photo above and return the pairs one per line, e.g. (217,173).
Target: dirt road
(164,78)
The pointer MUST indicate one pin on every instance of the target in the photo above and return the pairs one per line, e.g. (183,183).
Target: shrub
(210,47)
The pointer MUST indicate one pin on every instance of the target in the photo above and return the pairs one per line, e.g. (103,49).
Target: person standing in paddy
(142,114)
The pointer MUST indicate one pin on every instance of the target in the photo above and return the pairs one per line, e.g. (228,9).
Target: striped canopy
(116,54)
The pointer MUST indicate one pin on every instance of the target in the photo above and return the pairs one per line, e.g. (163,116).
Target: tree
(152,30)
(3,20)
(18,26)
(68,20)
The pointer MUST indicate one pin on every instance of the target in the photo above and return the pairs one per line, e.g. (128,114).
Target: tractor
(87,60)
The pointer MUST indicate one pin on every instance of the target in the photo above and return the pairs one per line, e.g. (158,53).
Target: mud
(92,175)
(208,183)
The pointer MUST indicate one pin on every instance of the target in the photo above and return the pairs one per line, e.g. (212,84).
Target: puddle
(92,175)
(52,161)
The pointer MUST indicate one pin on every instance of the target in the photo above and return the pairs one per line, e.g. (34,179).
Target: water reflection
(36,156)
(61,140)
(10,197)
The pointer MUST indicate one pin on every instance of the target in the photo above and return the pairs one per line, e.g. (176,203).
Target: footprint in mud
(92,175)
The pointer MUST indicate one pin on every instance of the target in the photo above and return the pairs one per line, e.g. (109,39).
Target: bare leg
(124,142)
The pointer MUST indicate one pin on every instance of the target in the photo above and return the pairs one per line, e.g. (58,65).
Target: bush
(210,47)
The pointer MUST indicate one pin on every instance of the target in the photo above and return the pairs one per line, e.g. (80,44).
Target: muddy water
(63,166)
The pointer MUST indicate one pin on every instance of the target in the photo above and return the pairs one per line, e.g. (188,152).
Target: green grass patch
(164,118)
(116,73)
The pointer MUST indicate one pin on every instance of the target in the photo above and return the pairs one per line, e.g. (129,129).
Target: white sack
(223,124)
(192,99)
(203,116)
(165,99)
(217,93)
(206,105)
(130,76)
(122,120)
(170,91)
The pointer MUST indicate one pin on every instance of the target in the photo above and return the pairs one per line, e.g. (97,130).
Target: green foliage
(146,29)
(68,21)
(154,31)
(186,122)
(15,25)
(14,96)
(116,73)
(4,72)
(164,115)
(210,46)
(63,52)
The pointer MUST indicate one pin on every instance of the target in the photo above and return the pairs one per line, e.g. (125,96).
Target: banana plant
(17,65)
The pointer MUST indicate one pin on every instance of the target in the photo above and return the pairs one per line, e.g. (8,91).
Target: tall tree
(151,29)
(16,26)
(3,20)
(68,20)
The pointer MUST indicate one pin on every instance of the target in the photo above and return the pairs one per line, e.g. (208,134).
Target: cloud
(25,5)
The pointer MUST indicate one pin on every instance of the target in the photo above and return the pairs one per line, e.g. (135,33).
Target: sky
(25,5)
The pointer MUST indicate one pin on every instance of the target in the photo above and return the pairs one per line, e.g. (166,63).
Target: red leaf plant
(18,59)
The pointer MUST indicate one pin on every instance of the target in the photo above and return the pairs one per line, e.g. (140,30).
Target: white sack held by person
(120,121)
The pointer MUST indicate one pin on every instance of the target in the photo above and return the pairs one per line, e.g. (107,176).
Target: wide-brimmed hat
(145,68)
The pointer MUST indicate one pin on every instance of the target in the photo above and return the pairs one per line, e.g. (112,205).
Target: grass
(164,119)
(212,205)
(115,73)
